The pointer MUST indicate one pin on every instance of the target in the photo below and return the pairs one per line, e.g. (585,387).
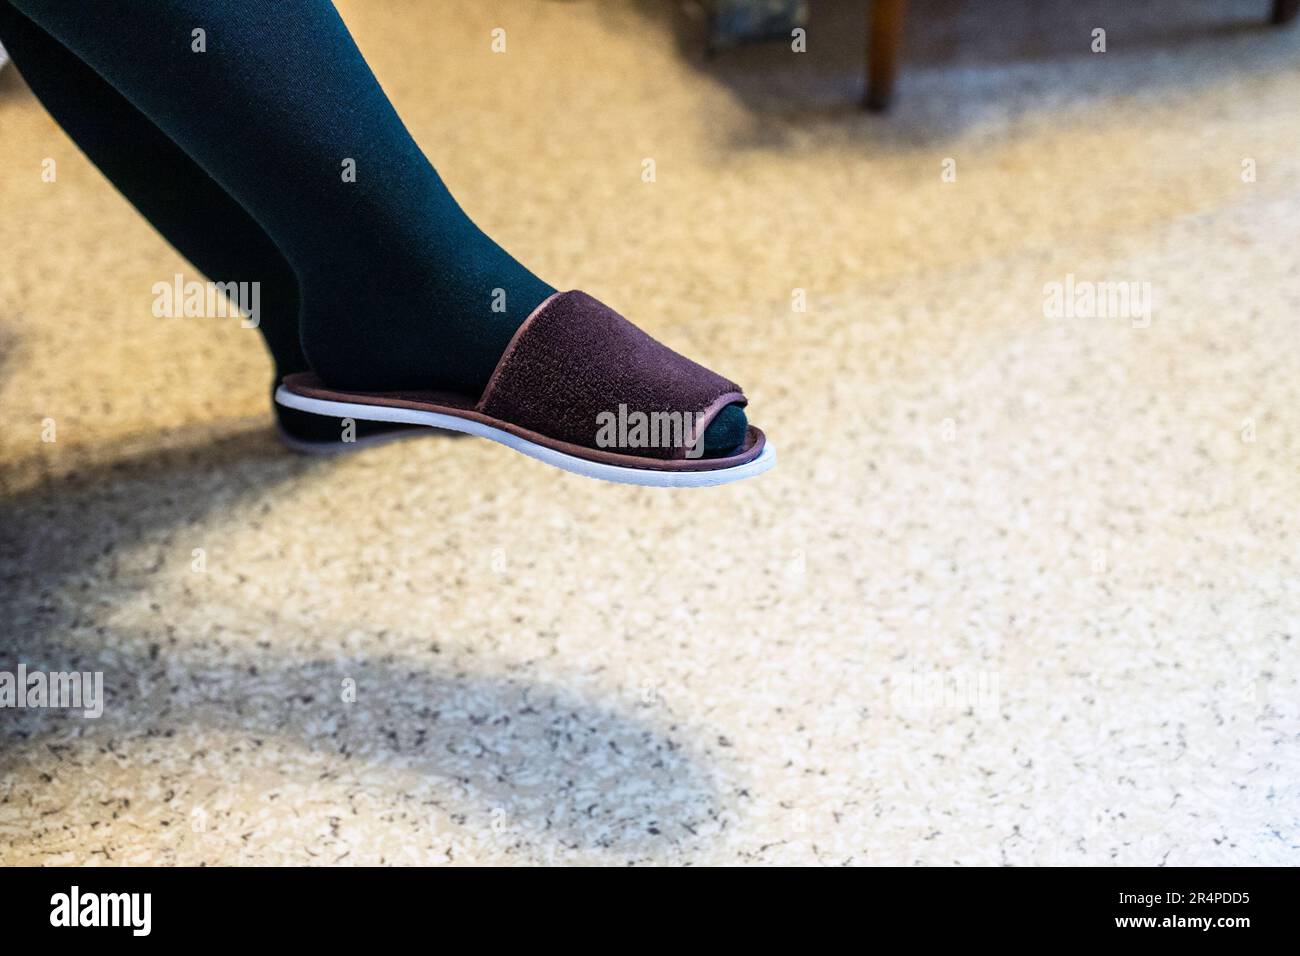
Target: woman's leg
(276,103)
(179,199)
(169,189)
(272,99)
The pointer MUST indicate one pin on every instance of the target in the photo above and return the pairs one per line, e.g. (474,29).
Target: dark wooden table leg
(884,34)
(1284,11)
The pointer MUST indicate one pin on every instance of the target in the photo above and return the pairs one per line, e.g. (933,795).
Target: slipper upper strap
(579,372)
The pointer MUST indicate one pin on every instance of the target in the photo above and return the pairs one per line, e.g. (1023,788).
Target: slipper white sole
(558,459)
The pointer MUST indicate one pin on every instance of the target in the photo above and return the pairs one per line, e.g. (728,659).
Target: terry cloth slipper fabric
(581,388)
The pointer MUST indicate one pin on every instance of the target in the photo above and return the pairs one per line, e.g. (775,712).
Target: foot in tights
(279,128)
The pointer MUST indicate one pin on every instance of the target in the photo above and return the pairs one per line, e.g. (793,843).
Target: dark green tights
(254,137)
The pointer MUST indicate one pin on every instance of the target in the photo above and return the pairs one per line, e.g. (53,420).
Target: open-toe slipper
(581,388)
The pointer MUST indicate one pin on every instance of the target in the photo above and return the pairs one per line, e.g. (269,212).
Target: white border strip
(557,459)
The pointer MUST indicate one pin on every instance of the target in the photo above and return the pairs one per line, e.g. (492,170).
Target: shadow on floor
(78,549)
(11,85)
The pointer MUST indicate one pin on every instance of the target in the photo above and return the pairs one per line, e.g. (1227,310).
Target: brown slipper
(581,388)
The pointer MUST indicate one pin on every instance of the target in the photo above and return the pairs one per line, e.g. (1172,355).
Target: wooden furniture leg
(884,34)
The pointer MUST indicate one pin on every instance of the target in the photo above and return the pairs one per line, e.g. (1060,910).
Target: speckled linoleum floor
(1022,589)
